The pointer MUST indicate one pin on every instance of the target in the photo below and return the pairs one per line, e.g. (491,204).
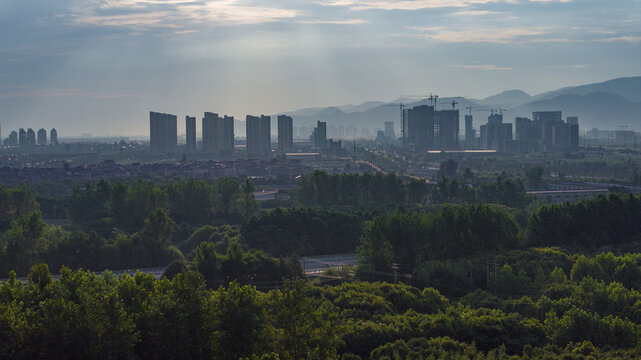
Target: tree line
(103,206)
(83,315)
(216,252)
(455,247)
(366,191)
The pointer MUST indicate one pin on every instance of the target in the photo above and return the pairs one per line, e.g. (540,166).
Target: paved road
(313,265)
(316,264)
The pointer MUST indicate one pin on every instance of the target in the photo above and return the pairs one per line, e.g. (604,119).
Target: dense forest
(389,190)
(472,270)
(83,315)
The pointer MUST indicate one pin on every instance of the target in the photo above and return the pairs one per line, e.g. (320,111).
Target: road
(314,265)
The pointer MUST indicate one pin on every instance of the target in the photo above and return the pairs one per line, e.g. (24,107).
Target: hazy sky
(99,66)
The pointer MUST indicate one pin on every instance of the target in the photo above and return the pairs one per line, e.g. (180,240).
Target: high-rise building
(526,129)
(527,135)
(574,132)
(495,118)
(227,144)
(285,133)
(625,138)
(495,133)
(561,135)
(211,133)
(470,133)
(163,137)
(389,130)
(218,133)
(258,134)
(22,137)
(312,138)
(321,134)
(448,128)
(42,137)
(546,132)
(190,134)
(418,127)
(565,135)
(31,137)
(12,140)
(53,137)
(546,121)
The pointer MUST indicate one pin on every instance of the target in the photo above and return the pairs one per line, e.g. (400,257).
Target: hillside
(606,105)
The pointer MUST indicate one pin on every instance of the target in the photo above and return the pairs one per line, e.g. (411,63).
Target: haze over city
(100,66)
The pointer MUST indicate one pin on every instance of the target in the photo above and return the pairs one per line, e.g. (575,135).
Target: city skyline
(98,66)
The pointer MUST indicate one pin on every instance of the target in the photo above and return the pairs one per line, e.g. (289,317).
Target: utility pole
(487,270)
(496,277)
(354,153)
(395,267)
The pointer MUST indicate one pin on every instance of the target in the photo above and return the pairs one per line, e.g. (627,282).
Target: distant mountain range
(605,105)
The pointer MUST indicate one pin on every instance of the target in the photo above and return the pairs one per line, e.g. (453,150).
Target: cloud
(151,19)
(492,35)
(65,94)
(476,13)
(621,38)
(335,22)
(176,13)
(420,4)
(481,67)
(402,4)
(184,32)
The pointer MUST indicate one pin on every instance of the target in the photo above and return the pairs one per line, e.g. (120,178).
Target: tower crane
(433,99)
(491,110)
(499,110)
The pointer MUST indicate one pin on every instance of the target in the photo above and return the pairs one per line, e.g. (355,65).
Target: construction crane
(491,110)
(454,103)
(433,99)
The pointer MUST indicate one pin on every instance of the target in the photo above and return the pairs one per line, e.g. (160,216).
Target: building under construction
(424,128)
(418,128)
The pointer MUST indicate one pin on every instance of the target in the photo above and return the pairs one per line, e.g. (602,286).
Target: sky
(100,66)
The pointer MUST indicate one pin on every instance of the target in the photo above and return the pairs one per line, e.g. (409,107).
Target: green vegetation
(15,203)
(449,249)
(304,231)
(363,191)
(600,221)
(103,206)
(83,315)
(506,280)
(389,191)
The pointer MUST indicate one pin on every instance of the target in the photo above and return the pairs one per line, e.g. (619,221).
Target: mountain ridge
(607,104)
